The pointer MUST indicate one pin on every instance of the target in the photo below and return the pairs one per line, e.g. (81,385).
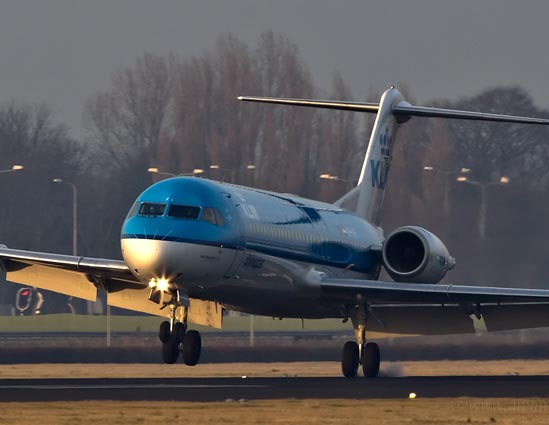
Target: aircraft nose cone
(144,257)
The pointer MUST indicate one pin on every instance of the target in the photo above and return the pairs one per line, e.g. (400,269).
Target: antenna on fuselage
(392,110)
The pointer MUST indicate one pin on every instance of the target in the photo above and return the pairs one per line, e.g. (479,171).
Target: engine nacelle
(415,255)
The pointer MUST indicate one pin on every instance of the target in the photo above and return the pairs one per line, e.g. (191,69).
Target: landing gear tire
(179,330)
(164,332)
(192,346)
(350,359)
(370,360)
(170,350)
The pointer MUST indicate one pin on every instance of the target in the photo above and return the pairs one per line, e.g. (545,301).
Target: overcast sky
(62,51)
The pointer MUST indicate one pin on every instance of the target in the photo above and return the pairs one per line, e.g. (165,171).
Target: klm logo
(379,169)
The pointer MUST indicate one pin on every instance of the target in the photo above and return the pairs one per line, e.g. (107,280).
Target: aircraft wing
(81,277)
(66,274)
(412,308)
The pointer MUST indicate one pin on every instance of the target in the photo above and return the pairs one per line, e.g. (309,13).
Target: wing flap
(454,319)
(205,313)
(62,281)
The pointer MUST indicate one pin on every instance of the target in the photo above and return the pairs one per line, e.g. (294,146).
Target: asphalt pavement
(223,389)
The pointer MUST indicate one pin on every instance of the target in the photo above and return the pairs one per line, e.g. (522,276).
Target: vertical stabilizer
(372,183)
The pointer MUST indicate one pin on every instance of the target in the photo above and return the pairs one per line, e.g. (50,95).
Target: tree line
(180,113)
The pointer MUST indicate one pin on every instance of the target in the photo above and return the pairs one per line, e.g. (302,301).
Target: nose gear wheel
(176,339)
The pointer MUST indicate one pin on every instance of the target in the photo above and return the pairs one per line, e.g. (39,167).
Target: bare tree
(338,146)
(495,149)
(30,137)
(211,127)
(285,137)
(126,122)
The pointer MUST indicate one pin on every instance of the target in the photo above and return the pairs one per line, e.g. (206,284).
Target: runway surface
(222,389)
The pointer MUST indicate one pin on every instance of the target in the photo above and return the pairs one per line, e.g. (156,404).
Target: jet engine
(414,255)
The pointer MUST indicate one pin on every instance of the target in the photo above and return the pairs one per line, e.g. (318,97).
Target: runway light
(412,395)
(163,284)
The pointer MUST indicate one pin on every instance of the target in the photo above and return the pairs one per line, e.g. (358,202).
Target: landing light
(163,284)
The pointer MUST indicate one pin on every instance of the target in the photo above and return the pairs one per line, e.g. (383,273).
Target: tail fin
(392,110)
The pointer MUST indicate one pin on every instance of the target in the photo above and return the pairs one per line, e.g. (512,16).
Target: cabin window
(184,211)
(150,209)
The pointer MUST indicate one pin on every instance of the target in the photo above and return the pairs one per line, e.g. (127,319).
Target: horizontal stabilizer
(402,109)
(327,104)
(423,111)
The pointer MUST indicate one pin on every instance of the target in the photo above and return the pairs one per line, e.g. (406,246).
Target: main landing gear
(360,353)
(177,339)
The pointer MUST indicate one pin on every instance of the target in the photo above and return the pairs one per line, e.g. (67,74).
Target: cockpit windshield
(149,209)
(184,211)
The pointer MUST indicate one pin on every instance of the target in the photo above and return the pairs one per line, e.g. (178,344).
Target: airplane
(194,247)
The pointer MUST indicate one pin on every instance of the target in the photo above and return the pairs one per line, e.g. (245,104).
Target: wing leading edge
(66,274)
(378,292)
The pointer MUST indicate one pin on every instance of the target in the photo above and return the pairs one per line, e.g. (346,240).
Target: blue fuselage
(249,249)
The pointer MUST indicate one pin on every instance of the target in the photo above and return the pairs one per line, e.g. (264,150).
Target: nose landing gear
(176,339)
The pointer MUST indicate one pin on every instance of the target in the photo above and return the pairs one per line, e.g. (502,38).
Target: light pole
(446,182)
(155,170)
(74,229)
(251,168)
(482,209)
(348,183)
(13,168)
(224,170)
(74,214)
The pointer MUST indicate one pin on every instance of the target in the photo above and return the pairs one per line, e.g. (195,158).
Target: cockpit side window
(219,218)
(184,211)
(150,209)
(213,216)
(208,216)
(133,210)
